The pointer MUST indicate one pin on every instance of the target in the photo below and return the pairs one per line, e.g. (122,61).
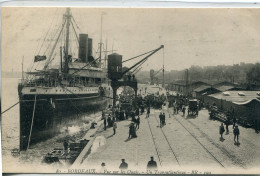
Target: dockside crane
(115,72)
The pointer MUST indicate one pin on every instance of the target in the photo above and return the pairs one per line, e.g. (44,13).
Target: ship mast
(68,20)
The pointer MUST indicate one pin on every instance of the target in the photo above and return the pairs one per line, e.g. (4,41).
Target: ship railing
(54,83)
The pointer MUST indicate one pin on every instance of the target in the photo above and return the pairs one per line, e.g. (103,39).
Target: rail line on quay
(223,150)
(200,144)
(156,147)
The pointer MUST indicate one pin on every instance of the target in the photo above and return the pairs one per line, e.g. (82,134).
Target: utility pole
(163,69)
(100,44)
(187,81)
(61,59)
(22,69)
(106,56)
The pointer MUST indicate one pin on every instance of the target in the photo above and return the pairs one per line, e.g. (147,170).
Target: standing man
(236,134)
(234,121)
(137,111)
(161,119)
(151,165)
(137,122)
(109,120)
(221,130)
(114,127)
(183,110)
(148,111)
(227,123)
(105,123)
(123,165)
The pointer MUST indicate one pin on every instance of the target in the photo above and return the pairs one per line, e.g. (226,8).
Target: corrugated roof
(201,88)
(235,97)
(224,88)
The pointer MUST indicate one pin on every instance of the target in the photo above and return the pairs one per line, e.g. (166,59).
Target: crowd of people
(141,104)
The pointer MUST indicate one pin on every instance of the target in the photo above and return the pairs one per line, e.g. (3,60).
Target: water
(31,160)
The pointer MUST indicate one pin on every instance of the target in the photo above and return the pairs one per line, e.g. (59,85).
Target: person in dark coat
(234,122)
(151,165)
(161,119)
(132,132)
(109,120)
(137,111)
(221,130)
(105,123)
(227,124)
(183,110)
(236,134)
(133,118)
(137,122)
(148,112)
(123,165)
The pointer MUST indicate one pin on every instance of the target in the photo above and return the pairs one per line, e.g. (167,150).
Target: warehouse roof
(202,88)
(224,88)
(238,97)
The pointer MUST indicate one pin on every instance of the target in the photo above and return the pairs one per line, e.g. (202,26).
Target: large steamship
(50,96)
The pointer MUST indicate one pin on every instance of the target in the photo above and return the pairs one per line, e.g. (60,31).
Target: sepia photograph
(91,90)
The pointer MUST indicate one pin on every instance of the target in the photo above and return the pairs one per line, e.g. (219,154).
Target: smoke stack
(89,47)
(83,47)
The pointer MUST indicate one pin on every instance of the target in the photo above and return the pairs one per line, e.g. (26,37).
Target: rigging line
(73,104)
(32,122)
(53,36)
(76,23)
(39,44)
(10,107)
(45,35)
(138,66)
(138,56)
(49,44)
(46,65)
(47,31)
(95,52)
(75,32)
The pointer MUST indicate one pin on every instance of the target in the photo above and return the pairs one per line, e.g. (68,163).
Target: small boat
(59,155)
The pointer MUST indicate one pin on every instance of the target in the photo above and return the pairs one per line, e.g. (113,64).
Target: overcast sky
(191,36)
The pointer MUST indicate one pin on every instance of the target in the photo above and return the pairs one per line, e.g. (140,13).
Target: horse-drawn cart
(193,107)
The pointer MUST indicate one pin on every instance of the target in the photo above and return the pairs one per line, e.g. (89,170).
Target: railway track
(193,136)
(203,146)
(166,146)
(222,149)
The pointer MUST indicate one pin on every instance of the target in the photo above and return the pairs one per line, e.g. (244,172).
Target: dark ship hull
(51,112)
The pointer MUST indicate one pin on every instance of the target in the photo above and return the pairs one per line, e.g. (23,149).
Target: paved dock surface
(184,142)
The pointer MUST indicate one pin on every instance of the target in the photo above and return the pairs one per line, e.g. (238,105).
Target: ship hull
(49,112)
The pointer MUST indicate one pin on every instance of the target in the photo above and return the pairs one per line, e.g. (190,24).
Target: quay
(184,142)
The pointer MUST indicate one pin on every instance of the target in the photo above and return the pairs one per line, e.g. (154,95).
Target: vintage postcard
(130,90)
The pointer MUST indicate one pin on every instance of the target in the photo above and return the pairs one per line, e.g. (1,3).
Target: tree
(253,75)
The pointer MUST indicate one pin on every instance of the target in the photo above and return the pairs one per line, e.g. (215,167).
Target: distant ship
(48,97)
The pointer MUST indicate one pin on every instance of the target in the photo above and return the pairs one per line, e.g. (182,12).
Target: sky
(204,37)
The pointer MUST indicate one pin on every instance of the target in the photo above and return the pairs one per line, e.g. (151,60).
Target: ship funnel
(83,47)
(89,48)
